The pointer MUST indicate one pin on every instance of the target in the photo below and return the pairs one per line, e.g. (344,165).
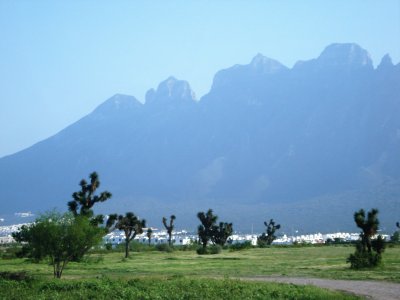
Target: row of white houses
(184,238)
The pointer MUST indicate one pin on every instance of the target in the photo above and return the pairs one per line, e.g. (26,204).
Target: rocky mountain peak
(347,55)
(171,90)
(386,62)
(117,103)
(266,65)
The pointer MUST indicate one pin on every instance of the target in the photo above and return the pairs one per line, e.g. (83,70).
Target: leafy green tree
(59,237)
(368,252)
(269,236)
(149,234)
(84,200)
(395,238)
(221,233)
(130,224)
(169,227)
(205,229)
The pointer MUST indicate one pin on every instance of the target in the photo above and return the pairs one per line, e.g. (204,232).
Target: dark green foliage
(164,248)
(212,249)
(240,246)
(17,276)
(84,200)
(205,229)
(135,246)
(130,224)
(149,233)
(201,250)
(11,251)
(368,252)
(221,233)
(158,288)
(169,227)
(209,230)
(268,237)
(395,238)
(59,237)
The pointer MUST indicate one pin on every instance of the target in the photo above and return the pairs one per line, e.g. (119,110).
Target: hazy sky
(60,59)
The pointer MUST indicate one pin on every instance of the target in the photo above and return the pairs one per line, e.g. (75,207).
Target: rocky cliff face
(265,140)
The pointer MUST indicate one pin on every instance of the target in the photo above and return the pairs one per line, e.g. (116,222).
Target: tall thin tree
(84,200)
(131,225)
(368,251)
(205,229)
(149,234)
(169,227)
(369,226)
(221,233)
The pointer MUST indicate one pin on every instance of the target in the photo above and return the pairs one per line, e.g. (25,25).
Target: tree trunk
(57,270)
(126,248)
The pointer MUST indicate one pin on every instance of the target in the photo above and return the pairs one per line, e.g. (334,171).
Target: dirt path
(370,289)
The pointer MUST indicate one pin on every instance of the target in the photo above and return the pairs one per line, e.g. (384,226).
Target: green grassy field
(179,268)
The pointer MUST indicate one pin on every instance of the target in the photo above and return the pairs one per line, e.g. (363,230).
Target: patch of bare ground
(370,289)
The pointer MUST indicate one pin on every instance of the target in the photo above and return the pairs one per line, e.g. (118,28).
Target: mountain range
(306,146)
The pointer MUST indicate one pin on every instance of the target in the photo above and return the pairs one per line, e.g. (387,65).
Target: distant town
(184,237)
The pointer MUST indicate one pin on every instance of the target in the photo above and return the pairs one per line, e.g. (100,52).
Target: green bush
(395,238)
(240,246)
(201,251)
(170,288)
(135,246)
(188,247)
(363,259)
(213,249)
(17,276)
(10,252)
(164,248)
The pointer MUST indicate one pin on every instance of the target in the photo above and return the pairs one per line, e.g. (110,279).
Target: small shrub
(17,276)
(201,251)
(10,252)
(188,247)
(213,249)
(240,246)
(135,246)
(363,260)
(164,248)
(395,238)
(262,244)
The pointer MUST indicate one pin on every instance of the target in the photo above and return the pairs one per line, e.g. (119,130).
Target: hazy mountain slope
(320,137)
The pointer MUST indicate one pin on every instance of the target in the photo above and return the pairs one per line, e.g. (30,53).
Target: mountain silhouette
(306,146)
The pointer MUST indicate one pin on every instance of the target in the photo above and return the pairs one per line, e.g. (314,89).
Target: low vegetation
(369,251)
(161,288)
(266,238)
(323,261)
(61,241)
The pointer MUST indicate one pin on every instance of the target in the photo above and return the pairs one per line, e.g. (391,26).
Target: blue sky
(60,59)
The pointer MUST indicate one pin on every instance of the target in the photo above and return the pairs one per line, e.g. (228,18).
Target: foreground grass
(322,262)
(156,288)
(185,275)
